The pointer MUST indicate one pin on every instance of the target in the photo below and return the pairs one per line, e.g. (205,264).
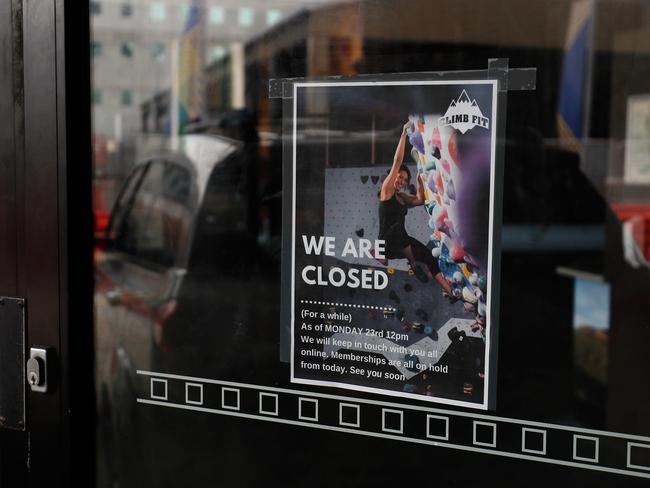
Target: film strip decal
(467,431)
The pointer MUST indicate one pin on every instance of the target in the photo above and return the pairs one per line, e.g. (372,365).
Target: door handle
(37,369)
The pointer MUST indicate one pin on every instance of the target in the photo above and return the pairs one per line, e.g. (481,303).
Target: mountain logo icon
(464,114)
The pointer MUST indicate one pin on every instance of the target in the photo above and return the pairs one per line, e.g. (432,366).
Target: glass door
(369,243)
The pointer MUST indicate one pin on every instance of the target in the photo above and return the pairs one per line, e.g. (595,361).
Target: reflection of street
(105,341)
(591,325)
(225,329)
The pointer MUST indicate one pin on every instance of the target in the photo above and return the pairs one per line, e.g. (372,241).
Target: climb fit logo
(464,114)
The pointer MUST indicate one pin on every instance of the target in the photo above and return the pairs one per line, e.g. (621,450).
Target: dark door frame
(46,256)
(13,445)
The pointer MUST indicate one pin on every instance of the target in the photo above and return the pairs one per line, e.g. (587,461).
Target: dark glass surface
(190,213)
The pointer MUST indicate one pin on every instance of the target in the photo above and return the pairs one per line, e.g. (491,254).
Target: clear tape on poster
(509,79)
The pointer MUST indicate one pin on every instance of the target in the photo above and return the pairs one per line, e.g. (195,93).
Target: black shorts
(397,240)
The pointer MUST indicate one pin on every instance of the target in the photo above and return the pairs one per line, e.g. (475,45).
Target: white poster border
(483,405)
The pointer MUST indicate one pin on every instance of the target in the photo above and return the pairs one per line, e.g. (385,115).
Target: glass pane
(512,247)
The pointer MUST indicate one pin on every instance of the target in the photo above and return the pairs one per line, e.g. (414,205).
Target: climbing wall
(435,150)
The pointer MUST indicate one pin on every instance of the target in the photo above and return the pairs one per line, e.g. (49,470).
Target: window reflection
(273,16)
(95,8)
(246,16)
(576,205)
(217,15)
(126,9)
(592,334)
(158,12)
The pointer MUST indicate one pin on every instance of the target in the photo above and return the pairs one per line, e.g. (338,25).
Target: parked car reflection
(184,280)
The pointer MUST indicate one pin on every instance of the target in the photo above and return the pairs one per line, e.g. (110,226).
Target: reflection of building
(310,43)
(133,48)
(314,44)
(136,38)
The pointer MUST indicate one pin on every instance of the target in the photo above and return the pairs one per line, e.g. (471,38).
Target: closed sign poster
(392,229)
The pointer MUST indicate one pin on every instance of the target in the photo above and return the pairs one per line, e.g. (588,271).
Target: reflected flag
(572,116)
(191,88)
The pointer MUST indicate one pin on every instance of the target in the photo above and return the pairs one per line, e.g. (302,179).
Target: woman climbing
(393,206)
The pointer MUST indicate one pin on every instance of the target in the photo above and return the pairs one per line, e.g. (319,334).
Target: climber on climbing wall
(393,206)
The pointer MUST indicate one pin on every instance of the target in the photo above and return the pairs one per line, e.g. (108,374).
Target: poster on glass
(392,237)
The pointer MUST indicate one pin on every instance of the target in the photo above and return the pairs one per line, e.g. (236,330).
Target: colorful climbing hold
(468,296)
(457,253)
(431,182)
(482,284)
(435,138)
(457,277)
(452,147)
(416,158)
(415,138)
(473,279)
(451,190)
(432,220)
(469,307)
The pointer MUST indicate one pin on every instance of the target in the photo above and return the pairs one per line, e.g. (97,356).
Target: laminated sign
(392,229)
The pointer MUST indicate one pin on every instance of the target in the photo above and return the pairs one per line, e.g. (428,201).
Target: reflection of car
(186,281)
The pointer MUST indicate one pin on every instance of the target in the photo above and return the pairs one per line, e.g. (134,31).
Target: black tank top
(391,212)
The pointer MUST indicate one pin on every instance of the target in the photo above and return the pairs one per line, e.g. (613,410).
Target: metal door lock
(37,369)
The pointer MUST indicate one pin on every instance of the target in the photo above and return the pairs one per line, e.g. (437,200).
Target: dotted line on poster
(351,305)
